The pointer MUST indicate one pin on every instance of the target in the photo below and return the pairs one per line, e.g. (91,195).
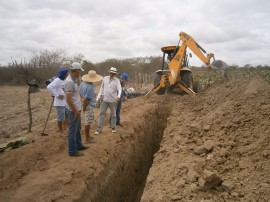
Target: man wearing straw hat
(109,95)
(89,100)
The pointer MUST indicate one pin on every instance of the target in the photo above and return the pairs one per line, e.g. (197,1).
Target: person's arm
(62,91)
(71,104)
(85,103)
(101,90)
(119,90)
(125,94)
(52,87)
(81,96)
(69,89)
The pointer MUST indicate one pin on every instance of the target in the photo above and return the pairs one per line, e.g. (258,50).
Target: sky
(236,31)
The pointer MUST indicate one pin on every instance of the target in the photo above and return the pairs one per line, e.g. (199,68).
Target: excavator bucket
(219,64)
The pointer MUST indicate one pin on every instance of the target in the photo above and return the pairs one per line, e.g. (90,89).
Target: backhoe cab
(176,71)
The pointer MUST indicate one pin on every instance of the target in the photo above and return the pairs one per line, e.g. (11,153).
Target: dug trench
(125,172)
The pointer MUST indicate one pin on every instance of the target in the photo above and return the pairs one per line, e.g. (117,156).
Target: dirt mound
(215,147)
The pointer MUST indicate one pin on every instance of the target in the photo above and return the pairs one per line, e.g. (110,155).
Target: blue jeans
(118,109)
(103,108)
(74,133)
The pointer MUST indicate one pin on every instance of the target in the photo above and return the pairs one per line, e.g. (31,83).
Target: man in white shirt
(56,88)
(109,95)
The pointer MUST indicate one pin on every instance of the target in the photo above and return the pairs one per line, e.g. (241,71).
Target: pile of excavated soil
(216,146)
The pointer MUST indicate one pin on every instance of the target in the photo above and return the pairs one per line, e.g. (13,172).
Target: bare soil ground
(215,146)
(42,170)
(224,130)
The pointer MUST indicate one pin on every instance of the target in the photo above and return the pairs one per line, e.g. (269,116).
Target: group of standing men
(70,97)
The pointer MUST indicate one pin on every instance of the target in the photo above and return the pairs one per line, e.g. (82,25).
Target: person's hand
(77,114)
(117,99)
(125,98)
(100,99)
(97,104)
(61,97)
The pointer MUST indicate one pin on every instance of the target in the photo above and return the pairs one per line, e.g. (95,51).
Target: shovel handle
(48,117)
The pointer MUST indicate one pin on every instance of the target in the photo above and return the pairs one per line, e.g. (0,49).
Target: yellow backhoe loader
(177,73)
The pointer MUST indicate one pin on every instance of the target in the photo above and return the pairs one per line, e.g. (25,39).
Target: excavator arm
(196,48)
(172,77)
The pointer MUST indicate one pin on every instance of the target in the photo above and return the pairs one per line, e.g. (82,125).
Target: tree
(47,58)
(247,66)
(79,57)
(47,62)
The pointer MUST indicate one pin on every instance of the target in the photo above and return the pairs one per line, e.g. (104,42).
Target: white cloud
(235,31)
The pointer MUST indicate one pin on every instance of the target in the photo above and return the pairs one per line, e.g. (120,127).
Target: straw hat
(92,76)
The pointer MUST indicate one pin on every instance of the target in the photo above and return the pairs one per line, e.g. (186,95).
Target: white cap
(76,65)
(113,70)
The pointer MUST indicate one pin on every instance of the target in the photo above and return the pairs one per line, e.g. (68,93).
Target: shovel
(43,132)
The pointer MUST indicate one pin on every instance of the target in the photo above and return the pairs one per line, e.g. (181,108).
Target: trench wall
(125,172)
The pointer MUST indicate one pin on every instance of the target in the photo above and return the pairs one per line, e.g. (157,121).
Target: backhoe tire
(197,87)
(156,81)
